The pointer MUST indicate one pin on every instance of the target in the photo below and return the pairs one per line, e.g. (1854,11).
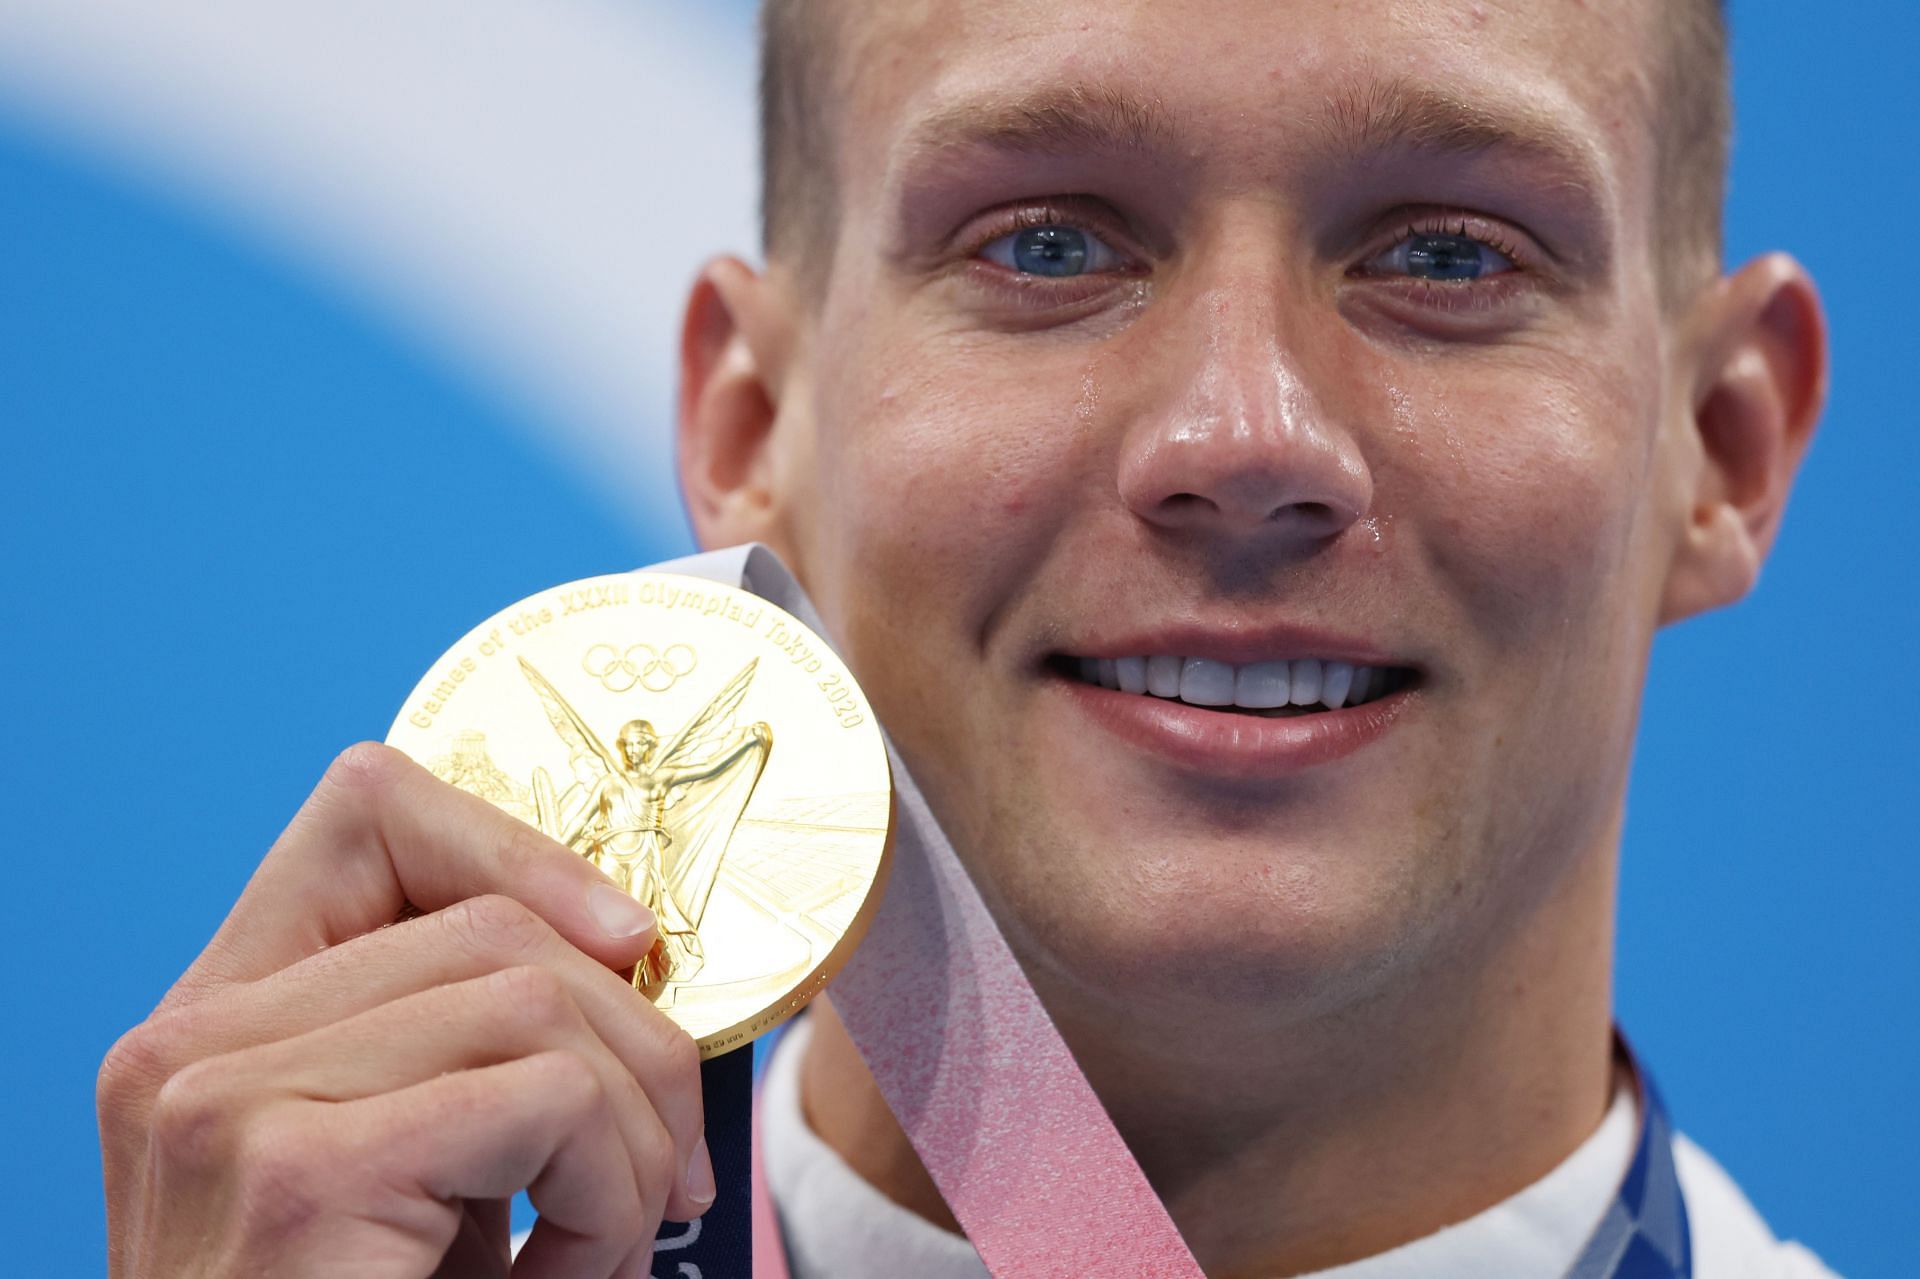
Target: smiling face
(1246,353)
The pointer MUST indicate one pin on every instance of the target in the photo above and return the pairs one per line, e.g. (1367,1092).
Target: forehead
(1250,85)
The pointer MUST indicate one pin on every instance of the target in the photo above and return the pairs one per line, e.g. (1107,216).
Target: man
(1119,373)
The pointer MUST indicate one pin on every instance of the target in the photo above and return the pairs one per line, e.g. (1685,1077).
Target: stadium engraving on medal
(703,748)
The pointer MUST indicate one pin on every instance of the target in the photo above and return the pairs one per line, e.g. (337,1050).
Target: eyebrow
(1054,119)
(1369,118)
(1381,116)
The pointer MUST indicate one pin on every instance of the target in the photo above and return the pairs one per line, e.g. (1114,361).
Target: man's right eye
(1053,249)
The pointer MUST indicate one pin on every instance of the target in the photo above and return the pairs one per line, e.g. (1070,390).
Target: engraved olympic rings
(641,665)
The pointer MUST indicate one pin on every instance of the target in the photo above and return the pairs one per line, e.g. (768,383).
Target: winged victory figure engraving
(655,819)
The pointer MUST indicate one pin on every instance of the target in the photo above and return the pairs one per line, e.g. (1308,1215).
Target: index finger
(379,833)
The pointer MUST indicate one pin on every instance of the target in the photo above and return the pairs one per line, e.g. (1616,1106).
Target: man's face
(1364,359)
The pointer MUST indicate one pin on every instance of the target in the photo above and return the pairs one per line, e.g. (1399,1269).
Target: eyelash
(1026,217)
(1464,225)
(1485,293)
(1440,222)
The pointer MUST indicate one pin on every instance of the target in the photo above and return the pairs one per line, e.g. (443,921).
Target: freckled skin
(1377,991)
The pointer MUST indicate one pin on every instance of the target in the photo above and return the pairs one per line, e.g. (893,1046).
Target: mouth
(1253,720)
(1270,689)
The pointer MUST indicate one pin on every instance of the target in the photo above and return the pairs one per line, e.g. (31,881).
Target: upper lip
(1240,645)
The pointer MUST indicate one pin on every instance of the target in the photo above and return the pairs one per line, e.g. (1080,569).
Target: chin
(1270,936)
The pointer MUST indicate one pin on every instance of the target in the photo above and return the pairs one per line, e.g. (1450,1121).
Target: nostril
(1312,512)
(1248,504)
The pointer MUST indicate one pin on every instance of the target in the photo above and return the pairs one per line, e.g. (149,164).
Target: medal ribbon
(1645,1233)
(967,1059)
(1012,1133)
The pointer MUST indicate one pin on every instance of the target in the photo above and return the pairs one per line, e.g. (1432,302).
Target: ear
(735,346)
(1759,382)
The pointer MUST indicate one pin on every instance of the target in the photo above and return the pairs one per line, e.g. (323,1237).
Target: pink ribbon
(966,1056)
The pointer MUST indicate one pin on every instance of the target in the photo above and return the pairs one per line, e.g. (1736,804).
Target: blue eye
(1052,250)
(1442,257)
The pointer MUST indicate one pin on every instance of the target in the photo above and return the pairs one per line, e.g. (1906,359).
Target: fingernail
(618,915)
(700,1187)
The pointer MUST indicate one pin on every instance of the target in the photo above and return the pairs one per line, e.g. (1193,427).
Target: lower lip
(1227,744)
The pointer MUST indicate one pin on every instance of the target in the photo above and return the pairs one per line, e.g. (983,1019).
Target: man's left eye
(1054,249)
(1441,257)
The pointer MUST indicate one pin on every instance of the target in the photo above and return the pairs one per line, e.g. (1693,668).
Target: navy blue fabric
(1645,1234)
(720,1244)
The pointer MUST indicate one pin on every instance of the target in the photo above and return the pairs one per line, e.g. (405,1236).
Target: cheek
(1525,500)
(1525,492)
(947,466)
(944,475)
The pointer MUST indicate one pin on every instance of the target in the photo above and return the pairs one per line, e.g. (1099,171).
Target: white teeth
(1336,684)
(1202,681)
(1362,685)
(1163,676)
(1206,683)
(1306,682)
(1262,686)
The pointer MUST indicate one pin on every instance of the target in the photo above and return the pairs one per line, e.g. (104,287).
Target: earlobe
(1759,385)
(734,345)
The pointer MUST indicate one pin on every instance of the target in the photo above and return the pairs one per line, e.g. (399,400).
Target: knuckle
(536,996)
(573,1078)
(496,927)
(193,1115)
(135,1067)
(682,1062)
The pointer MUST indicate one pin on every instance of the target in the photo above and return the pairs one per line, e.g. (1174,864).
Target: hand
(328,1092)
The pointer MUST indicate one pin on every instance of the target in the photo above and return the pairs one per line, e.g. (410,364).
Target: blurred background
(328,327)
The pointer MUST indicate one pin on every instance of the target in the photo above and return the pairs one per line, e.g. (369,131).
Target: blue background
(239,513)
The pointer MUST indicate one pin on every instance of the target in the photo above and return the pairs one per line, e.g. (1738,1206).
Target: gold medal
(703,748)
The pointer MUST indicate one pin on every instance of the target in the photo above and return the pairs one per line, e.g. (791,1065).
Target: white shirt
(837,1226)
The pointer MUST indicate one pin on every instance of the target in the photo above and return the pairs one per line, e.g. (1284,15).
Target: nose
(1239,445)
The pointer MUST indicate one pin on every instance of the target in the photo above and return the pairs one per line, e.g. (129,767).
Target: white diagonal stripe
(527,184)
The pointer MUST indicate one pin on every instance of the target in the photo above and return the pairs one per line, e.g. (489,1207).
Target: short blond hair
(799,86)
